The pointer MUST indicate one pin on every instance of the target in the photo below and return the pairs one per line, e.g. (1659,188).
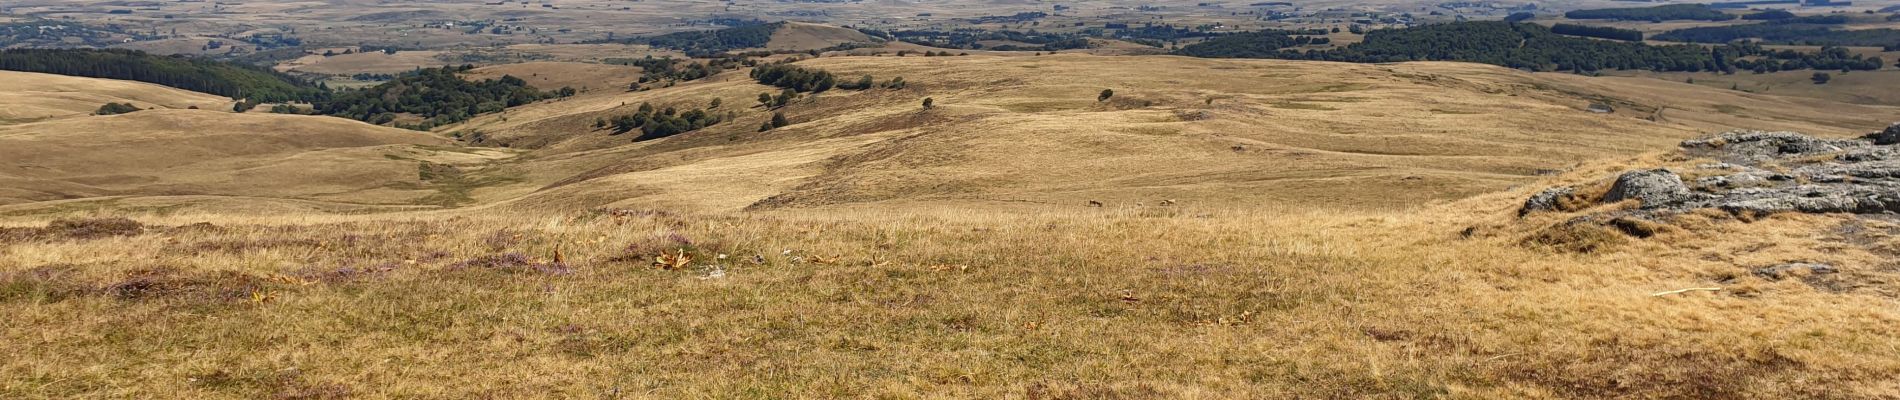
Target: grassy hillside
(1266,229)
(1028,131)
(29,97)
(1148,303)
(191,153)
(802,36)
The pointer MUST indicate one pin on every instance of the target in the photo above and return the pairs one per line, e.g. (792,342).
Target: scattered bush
(663,123)
(795,78)
(116,109)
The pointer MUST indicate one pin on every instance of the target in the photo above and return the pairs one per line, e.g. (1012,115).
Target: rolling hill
(804,36)
(28,97)
(65,153)
(1266,229)
(1028,131)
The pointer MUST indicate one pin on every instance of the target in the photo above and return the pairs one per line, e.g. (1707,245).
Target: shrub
(115,109)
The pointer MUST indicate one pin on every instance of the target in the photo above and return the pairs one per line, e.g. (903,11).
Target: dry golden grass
(556,75)
(873,249)
(30,97)
(367,62)
(803,36)
(1150,303)
(211,152)
(1014,131)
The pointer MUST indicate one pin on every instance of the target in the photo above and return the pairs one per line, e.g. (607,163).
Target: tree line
(1696,12)
(1532,47)
(1263,44)
(232,80)
(749,34)
(655,124)
(1603,32)
(654,69)
(1790,31)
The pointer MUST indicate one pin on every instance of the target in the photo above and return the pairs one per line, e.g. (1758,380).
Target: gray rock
(1817,176)
(1757,145)
(1547,200)
(1655,188)
(1790,270)
(1885,137)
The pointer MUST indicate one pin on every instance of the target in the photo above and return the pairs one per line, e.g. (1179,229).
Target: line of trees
(1598,32)
(1536,48)
(654,69)
(747,35)
(1781,32)
(232,80)
(655,124)
(1248,45)
(1697,12)
(795,78)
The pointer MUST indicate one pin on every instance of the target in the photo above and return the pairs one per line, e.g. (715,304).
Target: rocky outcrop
(1551,199)
(1654,188)
(1764,173)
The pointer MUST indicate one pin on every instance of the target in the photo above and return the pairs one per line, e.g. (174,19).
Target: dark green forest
(1697,12)
(437,94)
(971,38)
(654,123)
(1603,32)
(751,34)
(1532,47)
(1266,44)
(1789,31)
(796,78)
(668,68)
(239,81)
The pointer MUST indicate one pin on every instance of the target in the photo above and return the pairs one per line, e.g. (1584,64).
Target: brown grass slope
(1028,130)
(204,152)
(28,97)
(1184,303)
(804,36)
(895,252)
(555,75)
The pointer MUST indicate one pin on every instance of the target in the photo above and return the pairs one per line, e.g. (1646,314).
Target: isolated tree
(765,126)
(1821,78)
(1106,93)
(600,123)
(779,121)
(784,98)
(864,83)
(825,83)
(715,103)
(765,99)
(929,102)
